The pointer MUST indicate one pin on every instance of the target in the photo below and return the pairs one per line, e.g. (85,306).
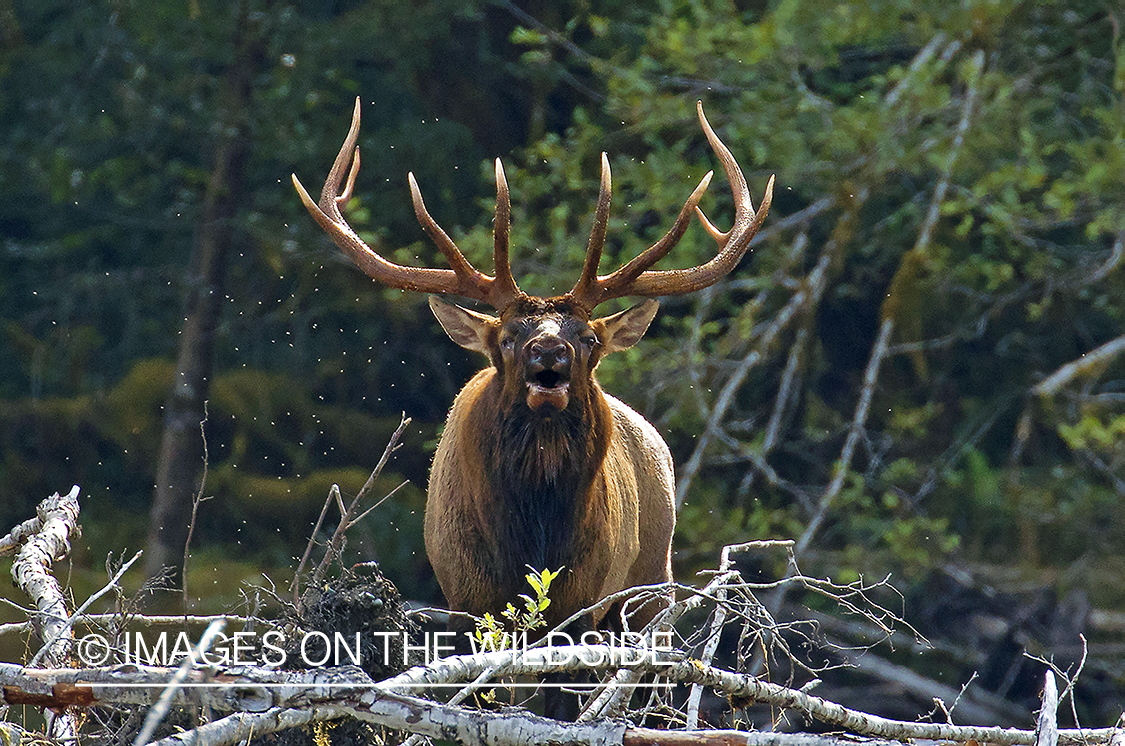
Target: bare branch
(717,622)
(348,691)
(145,620)
(348,517)
(57,518)
(1047,727)
(164,703)
(195,507)
(309,547)
(859,419)
(807,296)
(1090,363)
(82,609)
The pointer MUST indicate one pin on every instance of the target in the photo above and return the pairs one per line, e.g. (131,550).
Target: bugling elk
(537,466)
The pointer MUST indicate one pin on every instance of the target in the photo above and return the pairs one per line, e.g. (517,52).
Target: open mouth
(548,388)
(548,379)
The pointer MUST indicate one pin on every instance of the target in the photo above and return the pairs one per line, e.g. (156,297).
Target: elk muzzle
(549,360)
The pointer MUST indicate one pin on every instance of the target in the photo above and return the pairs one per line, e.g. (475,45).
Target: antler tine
(616,284)
(462,279)
(342,200)
(501,225)
(588,284)
(330,199)
(636,279)
(708,226)
(746,221)
(441,239)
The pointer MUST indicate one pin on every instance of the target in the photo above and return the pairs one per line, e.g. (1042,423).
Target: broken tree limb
(412,714)
(164,704)
(71,619)
(718,586)
(653,737)
(1047,727)
(140,620)
(41,541)
(348,691)
(1090,362)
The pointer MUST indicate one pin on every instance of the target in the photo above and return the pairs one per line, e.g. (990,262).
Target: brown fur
(590,487)
(536,465)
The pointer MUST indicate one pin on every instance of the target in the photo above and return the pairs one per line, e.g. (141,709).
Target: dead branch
(647,736)
(859,419)
(800,302)
(348,518)
(972,702)
(196,501)
(144,620)
(719,585)
(1047,727)
(879,349)
(70,620)
(261,699)
(281,699)
(164,703)
(742,685)
(785,395)
(348,691)
(615,694)
(41,541)
(412,714)
(1090,362)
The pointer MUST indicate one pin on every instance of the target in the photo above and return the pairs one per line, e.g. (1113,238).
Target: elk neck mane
(536,467)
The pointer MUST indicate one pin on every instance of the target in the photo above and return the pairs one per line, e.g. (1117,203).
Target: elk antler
(635,278)
(463,279)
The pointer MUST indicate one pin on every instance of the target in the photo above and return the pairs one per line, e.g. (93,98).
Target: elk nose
(549,353)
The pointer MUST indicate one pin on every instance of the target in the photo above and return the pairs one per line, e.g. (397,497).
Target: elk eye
(590,341)
(506,344)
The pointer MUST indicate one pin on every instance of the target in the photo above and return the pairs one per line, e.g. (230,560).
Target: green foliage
(1094,433)
(855,107)
(844,102)
(274,452)
(491,634)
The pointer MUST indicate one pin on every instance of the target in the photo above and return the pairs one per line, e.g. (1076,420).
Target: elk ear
(467,328)
(623,330)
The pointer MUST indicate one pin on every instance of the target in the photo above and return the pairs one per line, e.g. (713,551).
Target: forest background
(917,371)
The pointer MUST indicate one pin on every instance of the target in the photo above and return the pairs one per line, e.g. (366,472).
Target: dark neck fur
(539,467)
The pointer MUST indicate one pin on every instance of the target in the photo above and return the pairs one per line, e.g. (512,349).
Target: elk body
(537,466)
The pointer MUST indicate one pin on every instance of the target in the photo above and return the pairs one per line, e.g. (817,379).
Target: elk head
(545,348)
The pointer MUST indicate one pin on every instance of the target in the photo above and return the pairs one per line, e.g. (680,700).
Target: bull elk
(537,465)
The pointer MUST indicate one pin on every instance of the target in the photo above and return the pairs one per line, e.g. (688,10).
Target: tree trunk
(181,447)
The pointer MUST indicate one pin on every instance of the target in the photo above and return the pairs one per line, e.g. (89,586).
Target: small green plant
(492,635)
